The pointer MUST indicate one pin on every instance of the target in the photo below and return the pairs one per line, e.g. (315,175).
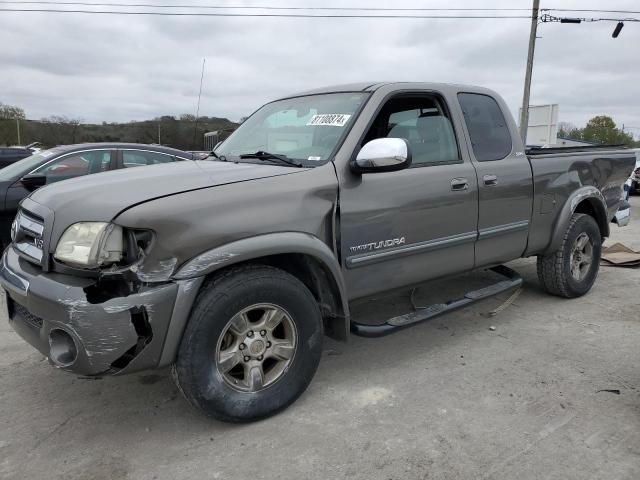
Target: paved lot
(451,399)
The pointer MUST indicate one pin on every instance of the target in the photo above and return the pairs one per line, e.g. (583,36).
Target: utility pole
(159,141)
(18,129)
(195,128)
(524,113)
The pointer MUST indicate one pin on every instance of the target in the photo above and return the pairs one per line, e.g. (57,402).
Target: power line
(588,11)
(284,15)
(546,18)
(257,7)
(270,7)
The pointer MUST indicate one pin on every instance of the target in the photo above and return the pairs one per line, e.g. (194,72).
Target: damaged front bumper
(94,337)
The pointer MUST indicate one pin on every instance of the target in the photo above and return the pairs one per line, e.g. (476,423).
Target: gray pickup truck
(233,269)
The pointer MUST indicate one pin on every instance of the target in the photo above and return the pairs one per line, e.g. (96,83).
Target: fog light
(62,348)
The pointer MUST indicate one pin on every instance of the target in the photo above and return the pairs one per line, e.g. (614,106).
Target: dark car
(9,155)
(60,163)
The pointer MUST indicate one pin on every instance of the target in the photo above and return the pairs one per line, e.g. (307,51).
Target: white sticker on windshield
(314,159)
(330,119)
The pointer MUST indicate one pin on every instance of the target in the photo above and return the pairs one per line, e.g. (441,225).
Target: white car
(634,179)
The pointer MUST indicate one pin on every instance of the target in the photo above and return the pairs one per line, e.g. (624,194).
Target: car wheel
(251,346)
(571,270)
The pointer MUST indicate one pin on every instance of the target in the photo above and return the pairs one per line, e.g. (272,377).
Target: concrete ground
(450,399)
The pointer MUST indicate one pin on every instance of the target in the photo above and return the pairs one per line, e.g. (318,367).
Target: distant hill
(180,132)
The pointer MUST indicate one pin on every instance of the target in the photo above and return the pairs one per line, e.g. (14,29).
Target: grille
(27,316)
(27,236)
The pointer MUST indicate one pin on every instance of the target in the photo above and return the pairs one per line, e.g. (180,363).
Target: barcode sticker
(330,119)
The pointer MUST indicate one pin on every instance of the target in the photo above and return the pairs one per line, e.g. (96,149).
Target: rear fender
(595,206)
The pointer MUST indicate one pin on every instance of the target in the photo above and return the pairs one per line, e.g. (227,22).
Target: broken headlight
(90,245)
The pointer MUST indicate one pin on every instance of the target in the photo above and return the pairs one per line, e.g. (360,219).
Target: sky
(120,68)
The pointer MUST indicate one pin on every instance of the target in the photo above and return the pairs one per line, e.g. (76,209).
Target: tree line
(600,130)
(186,133)
(183,132)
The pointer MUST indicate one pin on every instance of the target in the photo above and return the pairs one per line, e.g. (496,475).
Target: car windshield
(306,129)
(24,166)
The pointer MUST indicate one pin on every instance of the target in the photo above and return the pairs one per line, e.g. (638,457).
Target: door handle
(458,184)
(490,180)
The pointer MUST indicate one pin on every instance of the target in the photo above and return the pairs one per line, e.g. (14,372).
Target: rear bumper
(52,313)
(623,215)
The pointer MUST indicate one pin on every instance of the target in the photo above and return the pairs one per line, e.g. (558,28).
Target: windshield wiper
(262,155)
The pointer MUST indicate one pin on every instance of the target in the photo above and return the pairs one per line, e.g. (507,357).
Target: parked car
(634,186)
(12,154)
(200,154)
(9,155)
(234,270)
(23,177)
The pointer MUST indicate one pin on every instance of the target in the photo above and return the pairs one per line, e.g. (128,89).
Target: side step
(395,324)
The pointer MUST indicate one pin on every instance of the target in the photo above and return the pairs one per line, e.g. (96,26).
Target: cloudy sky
(119,68)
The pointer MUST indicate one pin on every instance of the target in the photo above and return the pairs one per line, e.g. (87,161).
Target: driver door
(405,227)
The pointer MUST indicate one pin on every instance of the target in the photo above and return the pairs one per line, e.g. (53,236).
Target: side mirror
(382,155)
(33,181)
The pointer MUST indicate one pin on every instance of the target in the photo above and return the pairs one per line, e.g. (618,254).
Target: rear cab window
(488,129)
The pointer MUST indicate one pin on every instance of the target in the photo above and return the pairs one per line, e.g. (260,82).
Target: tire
(201,371)
(555,269)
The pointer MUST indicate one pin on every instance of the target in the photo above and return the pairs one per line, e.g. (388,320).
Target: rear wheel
(251,346)
(571,270)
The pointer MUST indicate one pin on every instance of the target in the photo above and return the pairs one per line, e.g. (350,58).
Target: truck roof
(373,86)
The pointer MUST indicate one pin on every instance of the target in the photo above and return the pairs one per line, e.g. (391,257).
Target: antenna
(195,129)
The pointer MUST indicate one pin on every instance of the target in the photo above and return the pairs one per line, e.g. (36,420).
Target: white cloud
(118,68)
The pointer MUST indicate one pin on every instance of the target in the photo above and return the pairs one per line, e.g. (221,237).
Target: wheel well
(317,278)
(588,207)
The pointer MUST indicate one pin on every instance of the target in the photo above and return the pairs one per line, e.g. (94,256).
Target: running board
(401,322)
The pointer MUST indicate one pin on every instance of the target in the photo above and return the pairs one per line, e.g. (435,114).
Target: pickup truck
(233,269)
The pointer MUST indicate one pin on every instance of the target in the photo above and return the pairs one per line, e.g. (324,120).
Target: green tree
(10,112)
(9,117)
(602,129)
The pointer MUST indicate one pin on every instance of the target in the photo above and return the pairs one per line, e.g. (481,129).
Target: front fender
(587,193)
(262,246)
(190,275)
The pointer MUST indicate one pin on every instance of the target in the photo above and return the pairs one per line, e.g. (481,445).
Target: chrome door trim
(418,247)
(502,229)
(124,149)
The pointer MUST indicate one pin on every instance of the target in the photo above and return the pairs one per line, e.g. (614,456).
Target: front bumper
(119,335)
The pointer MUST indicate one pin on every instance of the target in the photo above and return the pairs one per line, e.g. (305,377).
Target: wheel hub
(581,257)
(256,347)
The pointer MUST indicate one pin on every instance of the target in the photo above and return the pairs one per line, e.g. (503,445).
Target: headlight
(90,244)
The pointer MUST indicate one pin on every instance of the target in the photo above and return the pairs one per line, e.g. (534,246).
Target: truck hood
(101,197)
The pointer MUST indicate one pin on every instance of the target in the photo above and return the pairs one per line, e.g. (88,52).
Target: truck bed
(558,173)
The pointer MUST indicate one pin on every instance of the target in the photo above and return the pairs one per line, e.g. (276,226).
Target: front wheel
(252,344)
(571,270)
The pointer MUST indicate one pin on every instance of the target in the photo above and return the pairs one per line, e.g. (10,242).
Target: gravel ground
(449,399)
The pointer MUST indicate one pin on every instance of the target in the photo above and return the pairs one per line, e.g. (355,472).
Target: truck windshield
(305,129)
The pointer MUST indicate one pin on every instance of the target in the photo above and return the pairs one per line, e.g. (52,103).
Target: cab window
(488,130)
(424,122)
